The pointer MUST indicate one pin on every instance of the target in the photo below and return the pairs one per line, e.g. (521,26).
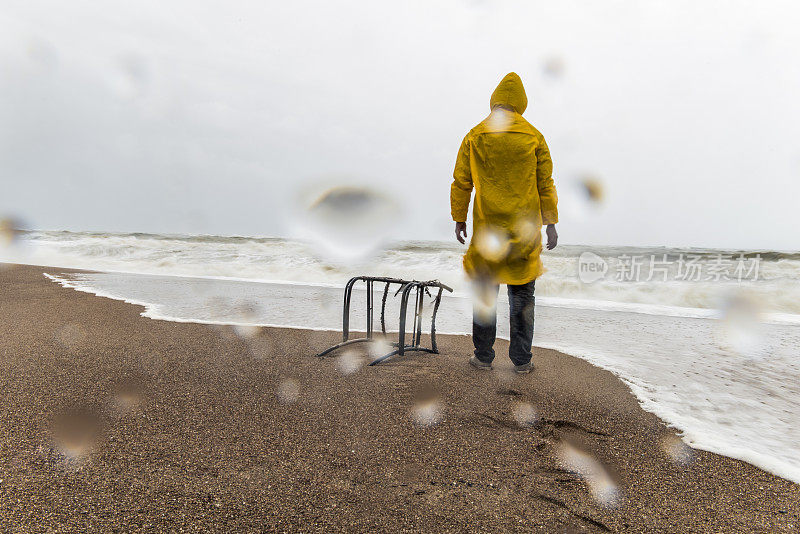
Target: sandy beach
(114,422)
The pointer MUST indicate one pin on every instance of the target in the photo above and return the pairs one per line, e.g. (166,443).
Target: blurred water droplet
(330,309)
(500,119)
(526,229)
(9,231)
(593,188)
(504,373)
(554,66)
(427,311)
(492,243)
(248,311)
(601,487)
(218,305)
(349,362)
(484,301)
(129,79)
(76,432)
(260,347)
(288,391)
(604,491)
(379,347)
(226,332)
(427,413)
(676,450)
(71,336)
(43,53)
(524,414)
(349,223)
(427,410)
(581,196)
(740,328)
(246,331)
(129,393)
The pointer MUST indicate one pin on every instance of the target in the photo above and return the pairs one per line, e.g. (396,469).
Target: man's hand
(552,236)
(461,228)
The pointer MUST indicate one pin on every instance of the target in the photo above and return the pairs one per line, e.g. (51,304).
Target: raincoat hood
(511,93)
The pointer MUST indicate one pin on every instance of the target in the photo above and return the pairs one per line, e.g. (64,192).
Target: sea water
(715,356)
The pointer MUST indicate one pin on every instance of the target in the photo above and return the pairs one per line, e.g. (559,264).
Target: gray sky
(215,117)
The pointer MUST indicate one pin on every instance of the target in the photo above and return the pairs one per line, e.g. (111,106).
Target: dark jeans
(521,302)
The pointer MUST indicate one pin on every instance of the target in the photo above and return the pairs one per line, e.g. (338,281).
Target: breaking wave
(776,289)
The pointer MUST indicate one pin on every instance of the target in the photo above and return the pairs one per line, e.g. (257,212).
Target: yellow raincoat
(507,161)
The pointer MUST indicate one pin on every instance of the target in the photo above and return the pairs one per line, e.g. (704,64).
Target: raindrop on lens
(43,53)
(71,336)
(740,328)
(526,229)
(554,67)
(379,347)
(128,393)
(248,311)
(129,79)
(288,391)
(246,331)
(581,196)
(601,487)
(524,414)
(349,362)
(427,413)
(492,244)
(500,119)
(484,301)
(676,450)
(217,305)
(260,347)
(593,189)
(9,231)
(76,432)
(349,223)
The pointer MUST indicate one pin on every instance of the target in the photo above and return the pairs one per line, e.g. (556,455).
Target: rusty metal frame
(406,287)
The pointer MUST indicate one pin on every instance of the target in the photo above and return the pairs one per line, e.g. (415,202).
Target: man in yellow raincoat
(507,162)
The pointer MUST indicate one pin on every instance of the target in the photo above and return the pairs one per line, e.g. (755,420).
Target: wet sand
(113,422)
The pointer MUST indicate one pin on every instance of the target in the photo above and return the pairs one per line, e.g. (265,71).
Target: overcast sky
(216,117)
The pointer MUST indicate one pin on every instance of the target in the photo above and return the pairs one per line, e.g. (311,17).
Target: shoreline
(777,318)
(209,443)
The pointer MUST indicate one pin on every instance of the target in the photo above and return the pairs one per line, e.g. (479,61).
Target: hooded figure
(508,163)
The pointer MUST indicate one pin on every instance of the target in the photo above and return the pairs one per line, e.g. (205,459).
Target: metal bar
(343,344)
(433,321)
(369,308)
(414,321)
(436,283)
(418,315)
(401,288)
(383,279)
(383,308)
(403,307)
(407,348)
(348,292)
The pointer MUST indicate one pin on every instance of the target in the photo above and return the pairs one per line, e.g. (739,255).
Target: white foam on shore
(741,406)
(555,302)
(693,431)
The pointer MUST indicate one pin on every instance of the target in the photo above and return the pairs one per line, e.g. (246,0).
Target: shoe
(475,362)
(523,369)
